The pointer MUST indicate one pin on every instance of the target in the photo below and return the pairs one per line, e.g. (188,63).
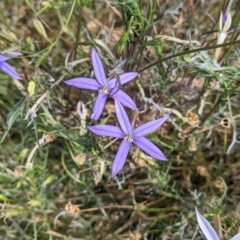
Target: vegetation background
(55,177)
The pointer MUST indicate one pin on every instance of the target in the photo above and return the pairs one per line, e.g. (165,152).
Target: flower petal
(84,83)
(232,29)
(99,105)
(149,148)
(124,78)
(12,53)
(4,58)
(236,237)
(122,118)
(98,68)
(120,157)
(107,131)
(224,17)
(149,127)
(206,227)
(123,98)
(5,67)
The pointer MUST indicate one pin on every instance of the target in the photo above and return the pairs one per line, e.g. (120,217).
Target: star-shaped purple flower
(207,228)
(5,67)
(129,136)
(104,87)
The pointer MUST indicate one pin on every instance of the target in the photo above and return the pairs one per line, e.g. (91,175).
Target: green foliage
(55,176)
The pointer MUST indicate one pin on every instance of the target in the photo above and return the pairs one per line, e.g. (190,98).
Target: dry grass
(55,178)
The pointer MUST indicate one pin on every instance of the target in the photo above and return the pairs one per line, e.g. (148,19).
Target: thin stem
(109,144)
(188,52)
(235,134)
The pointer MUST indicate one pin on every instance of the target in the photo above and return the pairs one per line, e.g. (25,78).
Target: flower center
(104,89)
(128,137)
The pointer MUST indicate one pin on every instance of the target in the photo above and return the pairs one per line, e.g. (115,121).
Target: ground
(55,175)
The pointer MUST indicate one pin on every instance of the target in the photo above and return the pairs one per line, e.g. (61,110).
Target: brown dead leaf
(80,159)
(110,108)
(19,172)
(219,184)
(140,162)
(56,234)
(93,27)
(193,145)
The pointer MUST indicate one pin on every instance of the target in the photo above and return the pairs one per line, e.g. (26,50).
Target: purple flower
(224,17)
(232,30)
(129,136)
(104,87)
(5,67)
(224,20)
(207,228)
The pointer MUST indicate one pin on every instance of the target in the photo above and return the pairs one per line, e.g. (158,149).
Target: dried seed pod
(193,118)
(193,145)
(72,210)
(40,28)
(182,136)
(225,122)
(203,172)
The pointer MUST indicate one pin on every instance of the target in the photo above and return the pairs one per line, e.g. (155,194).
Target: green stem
(188,52)
(68,172)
